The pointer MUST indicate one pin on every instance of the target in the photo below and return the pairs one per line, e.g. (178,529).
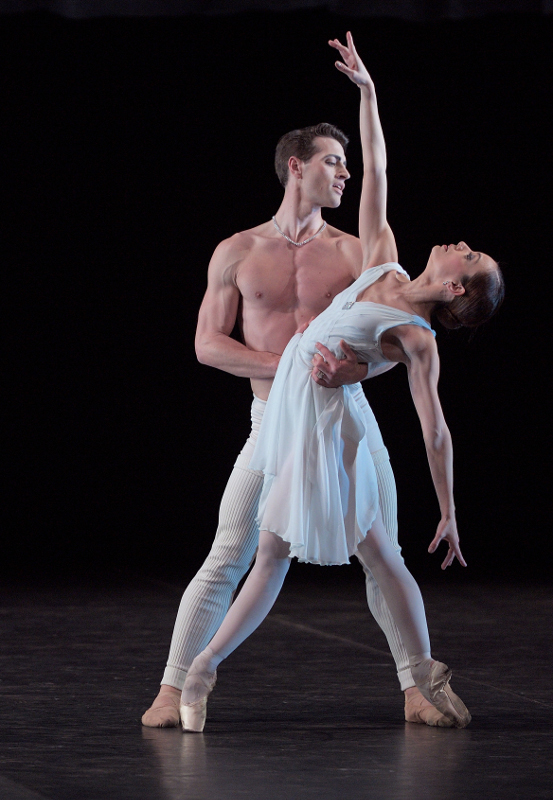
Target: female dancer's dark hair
(484,293)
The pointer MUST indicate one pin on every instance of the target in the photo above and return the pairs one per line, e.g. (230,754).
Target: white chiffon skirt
(320,489)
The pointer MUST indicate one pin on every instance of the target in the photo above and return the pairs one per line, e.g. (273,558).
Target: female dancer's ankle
(206,661)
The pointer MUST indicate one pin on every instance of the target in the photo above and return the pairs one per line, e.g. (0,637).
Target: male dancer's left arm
(332,372)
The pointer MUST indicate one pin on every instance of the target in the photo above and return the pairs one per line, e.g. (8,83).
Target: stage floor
(308,708)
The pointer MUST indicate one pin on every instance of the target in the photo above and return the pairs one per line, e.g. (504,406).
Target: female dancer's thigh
(373,435)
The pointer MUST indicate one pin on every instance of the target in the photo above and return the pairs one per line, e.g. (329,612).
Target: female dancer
(320,500)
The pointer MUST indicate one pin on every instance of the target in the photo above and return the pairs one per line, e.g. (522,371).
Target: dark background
(132,146)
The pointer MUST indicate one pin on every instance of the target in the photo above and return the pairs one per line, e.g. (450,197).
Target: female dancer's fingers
(351,46)
(434,543)
(353,66)
(337,44)
(453,553)
(449,559)
(346,70)
(459,556)
(345,52)
(447,531)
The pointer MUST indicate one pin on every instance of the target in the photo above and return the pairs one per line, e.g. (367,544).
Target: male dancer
(272,279)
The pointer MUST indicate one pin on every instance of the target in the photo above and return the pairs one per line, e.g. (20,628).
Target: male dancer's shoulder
(231,252)
(348,248)
(245,240)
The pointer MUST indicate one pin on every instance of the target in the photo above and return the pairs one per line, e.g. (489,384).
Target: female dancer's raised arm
(377,239)
(416,347)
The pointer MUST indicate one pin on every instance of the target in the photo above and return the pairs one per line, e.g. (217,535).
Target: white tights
(264,583)
(209,595)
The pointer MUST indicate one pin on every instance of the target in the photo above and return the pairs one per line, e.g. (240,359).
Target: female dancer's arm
(376,236)
(423,367)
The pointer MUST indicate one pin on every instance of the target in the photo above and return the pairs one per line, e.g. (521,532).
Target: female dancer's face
(453,261)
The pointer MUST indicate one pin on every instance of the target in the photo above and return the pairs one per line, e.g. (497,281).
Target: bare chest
(281,278)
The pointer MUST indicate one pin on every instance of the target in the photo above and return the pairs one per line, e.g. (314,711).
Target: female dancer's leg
(257,596)
(399,588)
(402,594)
(262,588)
(255,600)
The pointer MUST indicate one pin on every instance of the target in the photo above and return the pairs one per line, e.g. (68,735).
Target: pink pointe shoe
(197,687)
(432,679)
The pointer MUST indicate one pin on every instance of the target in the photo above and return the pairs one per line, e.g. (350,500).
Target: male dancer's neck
(298,218)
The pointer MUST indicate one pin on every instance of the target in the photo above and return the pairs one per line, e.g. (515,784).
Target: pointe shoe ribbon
(432,679)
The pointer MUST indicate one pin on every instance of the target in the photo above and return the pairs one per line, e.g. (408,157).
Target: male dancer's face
(325,174)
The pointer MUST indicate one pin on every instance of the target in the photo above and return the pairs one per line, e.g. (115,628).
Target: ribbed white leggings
(209,595)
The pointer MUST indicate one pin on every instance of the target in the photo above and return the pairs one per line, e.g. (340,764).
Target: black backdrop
(132,146)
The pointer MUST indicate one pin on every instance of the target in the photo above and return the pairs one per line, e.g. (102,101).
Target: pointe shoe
(198,685)
(432,679)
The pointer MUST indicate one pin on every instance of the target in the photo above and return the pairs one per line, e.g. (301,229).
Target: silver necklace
(298,244)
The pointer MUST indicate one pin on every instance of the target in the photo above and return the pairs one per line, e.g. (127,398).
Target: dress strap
(368,277)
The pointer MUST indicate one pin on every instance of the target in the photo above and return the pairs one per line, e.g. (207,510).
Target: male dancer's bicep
(219,307)
(218,312)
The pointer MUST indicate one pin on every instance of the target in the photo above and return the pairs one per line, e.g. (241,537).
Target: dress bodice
(359,323)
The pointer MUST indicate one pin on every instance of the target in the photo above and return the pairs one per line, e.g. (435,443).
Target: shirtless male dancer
(273,278)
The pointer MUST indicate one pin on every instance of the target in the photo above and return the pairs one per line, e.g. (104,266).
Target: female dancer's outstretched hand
(447,529)
(353,66)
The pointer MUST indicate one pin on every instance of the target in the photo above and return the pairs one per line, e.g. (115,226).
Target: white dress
(320,490)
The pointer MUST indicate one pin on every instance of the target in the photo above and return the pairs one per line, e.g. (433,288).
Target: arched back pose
(320,499)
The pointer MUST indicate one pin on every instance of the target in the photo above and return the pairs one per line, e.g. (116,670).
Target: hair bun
(445,317)
(484,293)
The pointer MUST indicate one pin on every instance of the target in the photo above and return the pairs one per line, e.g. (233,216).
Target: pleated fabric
(320,490)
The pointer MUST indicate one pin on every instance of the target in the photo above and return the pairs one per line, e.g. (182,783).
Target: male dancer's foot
(164,711)
(432,679)
(418,709)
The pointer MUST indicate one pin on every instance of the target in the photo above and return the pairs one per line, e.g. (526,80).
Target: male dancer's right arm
(217,318)
(218,312)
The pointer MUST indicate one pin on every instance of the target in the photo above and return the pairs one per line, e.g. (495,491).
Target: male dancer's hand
(332,372)
(304,326)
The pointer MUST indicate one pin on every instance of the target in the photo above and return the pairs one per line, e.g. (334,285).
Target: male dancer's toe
(418,709)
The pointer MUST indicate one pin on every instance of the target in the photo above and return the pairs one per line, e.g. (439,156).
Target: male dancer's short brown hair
(300,143)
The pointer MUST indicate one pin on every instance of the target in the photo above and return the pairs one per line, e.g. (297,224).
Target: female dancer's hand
(353,66)
(447,529)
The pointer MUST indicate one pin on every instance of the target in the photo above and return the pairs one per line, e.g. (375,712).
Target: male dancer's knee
(387,496)
(225,566)
(237,535)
